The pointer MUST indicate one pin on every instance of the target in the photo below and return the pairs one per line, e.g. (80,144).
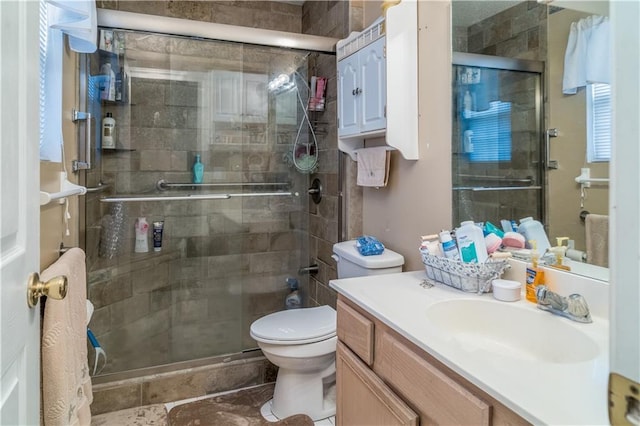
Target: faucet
(573,306)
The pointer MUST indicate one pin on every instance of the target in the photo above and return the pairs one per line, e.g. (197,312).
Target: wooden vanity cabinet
(402,374)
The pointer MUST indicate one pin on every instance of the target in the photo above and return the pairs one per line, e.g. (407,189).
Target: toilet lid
(296,325)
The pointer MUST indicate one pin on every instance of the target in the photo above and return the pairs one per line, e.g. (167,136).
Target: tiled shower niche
(223,262)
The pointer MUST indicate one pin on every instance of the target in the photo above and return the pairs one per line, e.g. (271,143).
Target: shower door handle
(548,162)
(86,117)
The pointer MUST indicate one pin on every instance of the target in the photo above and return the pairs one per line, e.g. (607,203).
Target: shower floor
(241,407)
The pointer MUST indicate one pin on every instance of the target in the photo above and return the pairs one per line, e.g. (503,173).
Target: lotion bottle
(198,170)
(535,274)
(142,230)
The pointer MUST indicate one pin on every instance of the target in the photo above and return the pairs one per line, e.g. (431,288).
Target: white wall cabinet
(378,83)
(362,97)
(239,97)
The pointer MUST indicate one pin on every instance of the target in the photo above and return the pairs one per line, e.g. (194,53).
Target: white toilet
(302,342)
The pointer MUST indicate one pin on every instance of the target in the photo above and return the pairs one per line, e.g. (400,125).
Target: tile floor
(157,414)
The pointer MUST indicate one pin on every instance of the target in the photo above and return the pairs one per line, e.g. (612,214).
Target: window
(490,133)
(598,123)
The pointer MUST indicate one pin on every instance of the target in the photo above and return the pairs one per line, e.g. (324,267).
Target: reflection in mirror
(539,32)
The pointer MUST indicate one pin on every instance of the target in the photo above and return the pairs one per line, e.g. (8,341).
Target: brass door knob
(56,288)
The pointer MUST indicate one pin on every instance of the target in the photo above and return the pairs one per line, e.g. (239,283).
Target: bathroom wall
(418,198)
(52,225)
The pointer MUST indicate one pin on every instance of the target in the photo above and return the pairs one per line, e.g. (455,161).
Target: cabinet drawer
(434,395)
(356,331)
(364,399)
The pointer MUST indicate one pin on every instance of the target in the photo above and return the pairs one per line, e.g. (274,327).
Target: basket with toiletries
(466,259)
(470,277)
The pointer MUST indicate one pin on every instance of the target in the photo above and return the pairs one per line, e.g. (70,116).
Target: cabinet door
(373,86)
(227,96)
(254,91)
(437,397)
(363,398)
(347,97)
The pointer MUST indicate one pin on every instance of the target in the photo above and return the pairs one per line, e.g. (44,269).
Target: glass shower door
(226,252)
(497,149)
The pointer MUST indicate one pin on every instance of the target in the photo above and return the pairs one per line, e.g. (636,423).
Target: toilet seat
(296,326)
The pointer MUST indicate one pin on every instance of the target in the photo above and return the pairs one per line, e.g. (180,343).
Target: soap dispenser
(198,170)
(535,274)
(560,261)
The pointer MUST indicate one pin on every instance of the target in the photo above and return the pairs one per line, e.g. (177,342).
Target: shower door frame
(519,65)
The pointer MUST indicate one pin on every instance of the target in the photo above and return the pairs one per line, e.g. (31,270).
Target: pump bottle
(535,274)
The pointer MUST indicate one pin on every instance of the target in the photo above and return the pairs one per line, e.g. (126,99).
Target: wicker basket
(471,277)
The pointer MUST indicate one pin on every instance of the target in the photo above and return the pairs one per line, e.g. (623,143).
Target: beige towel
(373,166)
(66,384)
(597,230)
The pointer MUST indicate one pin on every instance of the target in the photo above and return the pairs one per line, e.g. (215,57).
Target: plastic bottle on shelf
(471,244)
(108,132)
(109,93)
(198,170)
(142,230)
(467,101)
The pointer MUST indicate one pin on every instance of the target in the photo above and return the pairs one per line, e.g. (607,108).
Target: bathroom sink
(512,330)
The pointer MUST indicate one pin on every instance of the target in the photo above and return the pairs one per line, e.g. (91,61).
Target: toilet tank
(352,264)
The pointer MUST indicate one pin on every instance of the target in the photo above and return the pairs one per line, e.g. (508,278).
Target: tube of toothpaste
(157,235)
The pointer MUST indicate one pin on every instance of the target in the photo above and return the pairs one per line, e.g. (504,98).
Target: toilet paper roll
(576,255)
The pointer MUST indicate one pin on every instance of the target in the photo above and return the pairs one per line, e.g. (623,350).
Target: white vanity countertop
(542,392)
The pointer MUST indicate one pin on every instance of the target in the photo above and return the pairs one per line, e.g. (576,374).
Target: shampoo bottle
(142,230)
(535,274)
(198,170)
(108,132)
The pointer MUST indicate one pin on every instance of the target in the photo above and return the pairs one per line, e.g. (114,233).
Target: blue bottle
(198,170)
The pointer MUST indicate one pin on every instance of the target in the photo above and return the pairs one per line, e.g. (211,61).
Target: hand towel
(597,239)
(373,166)
(66,384)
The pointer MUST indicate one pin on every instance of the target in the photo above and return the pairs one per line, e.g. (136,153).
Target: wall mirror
(518,142)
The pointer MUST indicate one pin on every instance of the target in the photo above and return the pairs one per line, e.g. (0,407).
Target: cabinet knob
(356,91)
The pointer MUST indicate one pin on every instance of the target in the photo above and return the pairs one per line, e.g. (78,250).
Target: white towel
(587,58)
(66,384)
(597,239)
(373,166)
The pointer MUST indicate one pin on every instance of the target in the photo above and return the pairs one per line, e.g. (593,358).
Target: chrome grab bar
(195,197)
(86,117)
(528,180)
(101,187)
(548,163)
(163,185)
(494,188)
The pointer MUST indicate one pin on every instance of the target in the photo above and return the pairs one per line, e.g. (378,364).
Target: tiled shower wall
(223,262)
(149,307)
(333,19)
(518,32)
